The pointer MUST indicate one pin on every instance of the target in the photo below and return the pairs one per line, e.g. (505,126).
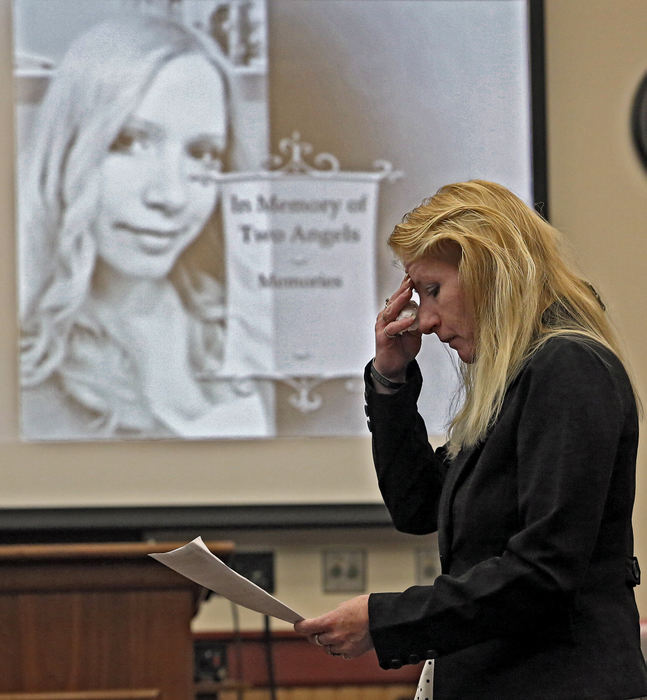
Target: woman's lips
(153,241)
(156,232)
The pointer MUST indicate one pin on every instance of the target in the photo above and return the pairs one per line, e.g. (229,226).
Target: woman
(123,318)
(533,492)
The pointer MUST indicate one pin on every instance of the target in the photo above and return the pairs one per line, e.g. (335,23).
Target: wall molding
(141,523)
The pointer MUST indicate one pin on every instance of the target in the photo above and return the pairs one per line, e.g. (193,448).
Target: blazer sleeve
(410,473)
(571,413)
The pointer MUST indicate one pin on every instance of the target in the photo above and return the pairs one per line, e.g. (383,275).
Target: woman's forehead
(430,266)
(187,94)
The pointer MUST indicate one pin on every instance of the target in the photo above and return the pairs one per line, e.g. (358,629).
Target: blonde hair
(100,81)
(522,290)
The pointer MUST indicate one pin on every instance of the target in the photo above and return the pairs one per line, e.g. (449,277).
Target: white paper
(194,561)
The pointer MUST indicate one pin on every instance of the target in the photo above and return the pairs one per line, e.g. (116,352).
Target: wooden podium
(96,622)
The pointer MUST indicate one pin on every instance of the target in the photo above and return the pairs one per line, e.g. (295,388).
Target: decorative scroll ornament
(294,149)
(387,170)
(303,399)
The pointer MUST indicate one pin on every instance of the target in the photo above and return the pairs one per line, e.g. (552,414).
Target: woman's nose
(428,321)
(167,187)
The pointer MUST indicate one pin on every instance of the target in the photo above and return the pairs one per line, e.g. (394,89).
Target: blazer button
(365,410)
(396,663)
(414,658)
(432,653)
(369,426)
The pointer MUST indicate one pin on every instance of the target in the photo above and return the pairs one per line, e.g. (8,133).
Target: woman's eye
(432,290)
(130,141)
(207,154)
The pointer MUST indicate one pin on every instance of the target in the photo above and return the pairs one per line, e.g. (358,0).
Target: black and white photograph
(122,292)
(204,193)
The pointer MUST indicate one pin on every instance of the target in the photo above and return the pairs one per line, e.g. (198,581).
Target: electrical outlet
(344,570)
(210,660)
(258,567)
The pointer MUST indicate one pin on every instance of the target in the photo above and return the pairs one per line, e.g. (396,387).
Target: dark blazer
(535,598)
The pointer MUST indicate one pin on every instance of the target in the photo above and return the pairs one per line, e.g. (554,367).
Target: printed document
(194,561)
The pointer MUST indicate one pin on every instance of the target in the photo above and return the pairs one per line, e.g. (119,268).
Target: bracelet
(381,379)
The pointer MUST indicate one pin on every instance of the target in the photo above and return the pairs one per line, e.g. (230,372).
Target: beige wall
(596,55)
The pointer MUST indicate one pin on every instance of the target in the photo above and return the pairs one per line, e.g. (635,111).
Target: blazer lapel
(457,470)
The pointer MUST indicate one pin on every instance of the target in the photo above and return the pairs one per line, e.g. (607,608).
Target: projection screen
(204,190)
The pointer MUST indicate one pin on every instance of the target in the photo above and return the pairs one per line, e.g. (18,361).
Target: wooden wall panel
(349,692)
(95,621)
(298,663)
(66,641)
(146,694)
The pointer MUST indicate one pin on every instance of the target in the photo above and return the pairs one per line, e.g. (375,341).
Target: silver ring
(317,642)
(390,337)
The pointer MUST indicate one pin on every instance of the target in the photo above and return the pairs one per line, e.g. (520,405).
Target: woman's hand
(342,632)
(395,347)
